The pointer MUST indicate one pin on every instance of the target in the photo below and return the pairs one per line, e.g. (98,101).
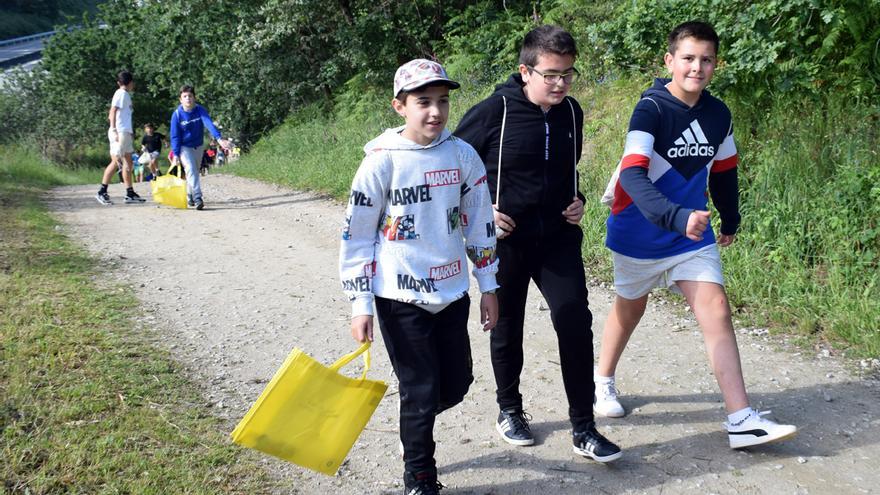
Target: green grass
(807,259)
(86,404)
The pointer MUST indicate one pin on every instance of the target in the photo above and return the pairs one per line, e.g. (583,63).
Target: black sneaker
(133,197)
(513,425)
(103,198)
(190,202)
(590,443)
(200,204)
(421,484)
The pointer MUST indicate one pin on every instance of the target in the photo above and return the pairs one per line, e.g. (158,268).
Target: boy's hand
(362,328)
(488,311)
(504,225)
(725,240)
(574,212)
(698,221)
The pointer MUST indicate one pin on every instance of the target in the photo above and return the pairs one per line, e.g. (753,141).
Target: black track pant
(556,266)
(431,356)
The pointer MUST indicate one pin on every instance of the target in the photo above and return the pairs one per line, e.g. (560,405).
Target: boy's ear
(524,72)
(667,59)
(398,107)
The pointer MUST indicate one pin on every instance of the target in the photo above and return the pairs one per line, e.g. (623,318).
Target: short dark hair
(402,95)
(186,88)
(698,30)
(124,77)
(149,125)
(546,39)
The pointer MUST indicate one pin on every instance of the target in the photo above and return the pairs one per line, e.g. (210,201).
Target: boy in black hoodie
(529,135)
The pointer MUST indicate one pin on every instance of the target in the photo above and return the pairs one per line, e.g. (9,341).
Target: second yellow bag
(310,414)
(169,190)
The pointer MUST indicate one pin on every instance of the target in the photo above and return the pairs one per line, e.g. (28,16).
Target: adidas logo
(691,143)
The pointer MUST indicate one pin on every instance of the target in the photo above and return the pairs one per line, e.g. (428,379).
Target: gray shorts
(635,277)
(123,146)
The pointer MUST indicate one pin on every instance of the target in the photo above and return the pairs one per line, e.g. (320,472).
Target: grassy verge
(807,260)
(86,405)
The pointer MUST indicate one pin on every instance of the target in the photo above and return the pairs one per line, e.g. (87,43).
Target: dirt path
(233,288)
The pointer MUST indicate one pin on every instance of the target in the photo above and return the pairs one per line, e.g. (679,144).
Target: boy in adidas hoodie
(529,135)
(680,138)
(419,209)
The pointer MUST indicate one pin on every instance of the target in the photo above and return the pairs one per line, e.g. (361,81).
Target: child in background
(187,128)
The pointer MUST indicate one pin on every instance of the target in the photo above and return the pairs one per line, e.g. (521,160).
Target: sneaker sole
(521,443)
(741,441)
(607,458)
(612,414)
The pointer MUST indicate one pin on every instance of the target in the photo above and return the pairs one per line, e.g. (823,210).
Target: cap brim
(448,82)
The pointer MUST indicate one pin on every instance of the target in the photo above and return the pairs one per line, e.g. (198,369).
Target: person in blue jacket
(680,141)
(187,130)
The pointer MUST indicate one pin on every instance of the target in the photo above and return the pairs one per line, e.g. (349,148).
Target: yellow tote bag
(310,414)
(169,190)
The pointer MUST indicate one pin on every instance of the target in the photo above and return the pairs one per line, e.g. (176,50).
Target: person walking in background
(188,123)
(680,138)
(529,134)
(152,146)
(120,135)
(419,209)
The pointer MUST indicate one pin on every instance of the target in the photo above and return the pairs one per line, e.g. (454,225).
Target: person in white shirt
(120,135)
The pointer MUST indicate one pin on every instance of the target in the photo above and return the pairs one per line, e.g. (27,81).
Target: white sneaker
(605,401)
(755,430)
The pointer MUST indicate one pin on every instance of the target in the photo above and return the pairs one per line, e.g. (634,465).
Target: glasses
(553,78)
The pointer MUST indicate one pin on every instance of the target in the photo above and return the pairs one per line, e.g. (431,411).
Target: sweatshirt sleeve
(175,131)
(474,129)
(724,185)
(357,252)
(634,180)
(206,119)
(478,224)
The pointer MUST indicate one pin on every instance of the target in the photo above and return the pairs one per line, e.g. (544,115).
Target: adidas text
(691,150)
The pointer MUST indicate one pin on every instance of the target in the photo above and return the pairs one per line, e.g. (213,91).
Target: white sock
(739,416)
(603,379)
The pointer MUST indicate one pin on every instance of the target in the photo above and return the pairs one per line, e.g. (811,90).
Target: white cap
(419,72)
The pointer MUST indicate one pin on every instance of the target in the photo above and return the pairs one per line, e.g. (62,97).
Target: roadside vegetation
(87,403)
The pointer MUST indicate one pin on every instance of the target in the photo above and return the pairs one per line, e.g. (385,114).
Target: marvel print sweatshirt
(672,152)
(415,215)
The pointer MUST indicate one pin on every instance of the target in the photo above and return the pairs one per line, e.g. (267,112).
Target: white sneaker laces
(608,391)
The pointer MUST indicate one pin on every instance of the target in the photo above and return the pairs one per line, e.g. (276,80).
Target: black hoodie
(539,152)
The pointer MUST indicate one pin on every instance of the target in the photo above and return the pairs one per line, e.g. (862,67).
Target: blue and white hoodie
(415,215)
(672,151)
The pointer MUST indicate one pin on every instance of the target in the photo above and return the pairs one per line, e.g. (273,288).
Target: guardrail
(25,39)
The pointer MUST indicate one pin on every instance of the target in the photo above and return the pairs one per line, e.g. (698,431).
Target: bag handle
(364,349)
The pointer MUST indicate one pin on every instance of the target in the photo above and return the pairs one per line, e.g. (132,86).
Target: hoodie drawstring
(574,143)
(500,146)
